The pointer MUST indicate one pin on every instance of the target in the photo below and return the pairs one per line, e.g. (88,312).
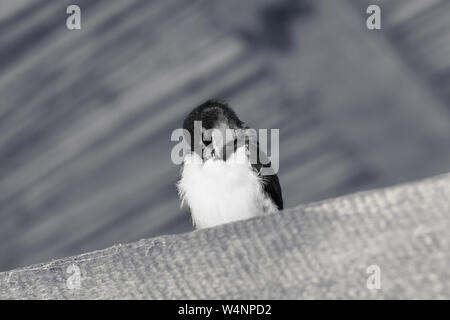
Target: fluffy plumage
(220,191)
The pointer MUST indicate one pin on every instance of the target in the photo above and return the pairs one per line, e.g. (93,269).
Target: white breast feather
(219,192)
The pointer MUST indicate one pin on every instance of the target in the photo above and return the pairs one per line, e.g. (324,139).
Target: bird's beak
(220,138)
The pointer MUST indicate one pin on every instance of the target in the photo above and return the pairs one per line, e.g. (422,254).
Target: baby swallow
(225,177)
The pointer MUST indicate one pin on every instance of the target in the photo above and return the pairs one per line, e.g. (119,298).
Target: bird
(224,176)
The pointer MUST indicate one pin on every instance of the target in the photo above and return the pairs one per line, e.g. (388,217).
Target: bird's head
(212,126)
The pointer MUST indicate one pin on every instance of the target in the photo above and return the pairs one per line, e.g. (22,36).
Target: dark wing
(271,183)
(271,186)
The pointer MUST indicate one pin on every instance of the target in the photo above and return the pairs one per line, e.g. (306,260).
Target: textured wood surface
(86,116)
(315,251)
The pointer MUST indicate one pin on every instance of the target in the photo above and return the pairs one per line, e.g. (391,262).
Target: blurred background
(86,115)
